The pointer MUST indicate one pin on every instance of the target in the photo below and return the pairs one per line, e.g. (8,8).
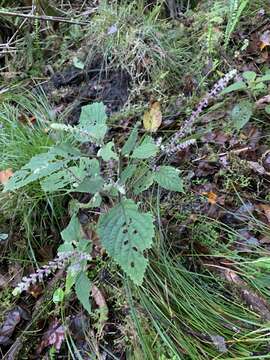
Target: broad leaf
(239,85)
(128,172)
(131,141)
(40,166)
(71,178)
(72,233)
(91,185)
(82,289)
(249,75)
(143,183)
(146,150)
(92,121)
(241,113)
(125,233)
(152,119)
(106,152)
(168,178)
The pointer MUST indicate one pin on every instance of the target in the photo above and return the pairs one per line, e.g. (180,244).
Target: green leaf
(263,78)
(241,113)
(267,109)
(146,150)
(72,233)
(262,263)
(239,85)
(128,172)
(42,165)
(92,121)
(249,75)
(168,178)
(91,185)
(58,295)
(106,152)
(78,63)
(131,141)
(82,289)
(143,183)
(125,233)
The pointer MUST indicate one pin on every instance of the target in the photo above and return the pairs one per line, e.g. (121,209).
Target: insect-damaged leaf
(125,233)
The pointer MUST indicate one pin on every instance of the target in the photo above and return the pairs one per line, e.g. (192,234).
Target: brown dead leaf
(12,319)
(266,210)
(5,175)
(152,119)
(211,197)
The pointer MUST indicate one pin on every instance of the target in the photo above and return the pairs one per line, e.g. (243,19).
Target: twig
(43,17)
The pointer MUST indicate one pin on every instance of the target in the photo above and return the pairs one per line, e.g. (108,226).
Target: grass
(23,135)
(182,311)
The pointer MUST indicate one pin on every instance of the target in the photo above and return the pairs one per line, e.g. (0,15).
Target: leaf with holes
(168,178)
(125,233)
(106,152)
(40,166)
(241,113)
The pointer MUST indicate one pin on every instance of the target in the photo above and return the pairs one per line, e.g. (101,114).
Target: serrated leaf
(239,85)
(72,177)
(131,141)
(241,113)
(72,233)
(143,183)
(125,233)
(106,152)
(146,150)
(93,121)
(42,165)
(82,289)
(152,119)
(168,178)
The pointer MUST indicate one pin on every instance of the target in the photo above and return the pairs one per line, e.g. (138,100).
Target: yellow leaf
(5,175)
(152,119)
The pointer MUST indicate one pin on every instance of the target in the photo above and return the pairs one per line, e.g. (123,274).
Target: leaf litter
(227,172)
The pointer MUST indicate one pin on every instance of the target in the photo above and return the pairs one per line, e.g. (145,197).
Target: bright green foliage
(82,289)
(125,233)
(58,295)
(146,149)
(106,152)
(241,113)
(168,178)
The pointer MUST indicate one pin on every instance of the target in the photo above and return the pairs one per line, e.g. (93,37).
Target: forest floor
(206,292)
